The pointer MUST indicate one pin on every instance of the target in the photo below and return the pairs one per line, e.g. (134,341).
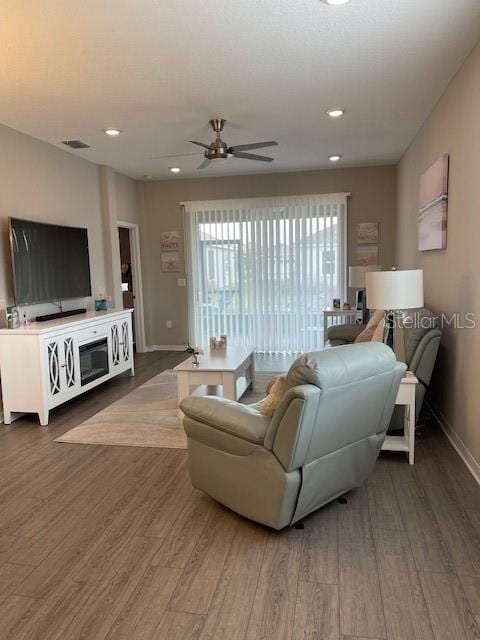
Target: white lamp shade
(356,275)
(392,290)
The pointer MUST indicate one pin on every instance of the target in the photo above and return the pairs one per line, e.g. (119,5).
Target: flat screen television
(50,262)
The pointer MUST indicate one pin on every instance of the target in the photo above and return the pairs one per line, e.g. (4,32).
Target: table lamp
(393,291)
(356,280)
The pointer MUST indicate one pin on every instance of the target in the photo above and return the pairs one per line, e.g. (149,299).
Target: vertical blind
(262,270)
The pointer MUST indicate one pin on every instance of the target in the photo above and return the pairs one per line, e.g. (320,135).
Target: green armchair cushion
(345,332)
(241,420)
(335,367)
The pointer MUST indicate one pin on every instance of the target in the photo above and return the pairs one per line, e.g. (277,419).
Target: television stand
(60,314)
(45,364)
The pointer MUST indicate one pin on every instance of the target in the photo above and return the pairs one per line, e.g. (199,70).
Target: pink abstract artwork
(432,227)
(433,199)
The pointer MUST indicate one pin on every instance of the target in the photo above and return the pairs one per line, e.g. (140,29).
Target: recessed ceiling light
(335,113)
(335,3)
(148,177)
(174,169)
(112,132)
(334,158)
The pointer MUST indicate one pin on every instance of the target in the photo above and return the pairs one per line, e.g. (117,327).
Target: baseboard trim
(457,443)
(165,347)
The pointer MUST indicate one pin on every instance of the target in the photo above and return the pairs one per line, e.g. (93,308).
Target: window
(328,262)
(211,263)
(262,270)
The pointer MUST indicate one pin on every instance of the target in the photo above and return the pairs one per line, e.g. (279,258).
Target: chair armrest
(347,332)
(285,437)
(240,420)
(425,355)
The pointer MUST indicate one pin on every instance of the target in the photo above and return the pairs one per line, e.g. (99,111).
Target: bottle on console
(101,302)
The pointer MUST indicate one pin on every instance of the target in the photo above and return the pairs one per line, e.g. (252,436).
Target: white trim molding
(139,315)
(457,443)
(329,198)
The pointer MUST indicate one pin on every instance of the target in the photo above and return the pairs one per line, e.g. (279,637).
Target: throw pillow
(269,404)
(379,331)
(367,335)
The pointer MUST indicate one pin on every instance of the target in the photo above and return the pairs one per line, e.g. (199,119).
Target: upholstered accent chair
(422,340)
(322,440)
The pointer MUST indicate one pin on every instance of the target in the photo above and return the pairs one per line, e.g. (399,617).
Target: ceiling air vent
(76,144)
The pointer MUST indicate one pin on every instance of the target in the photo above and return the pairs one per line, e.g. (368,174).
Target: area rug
(146,417)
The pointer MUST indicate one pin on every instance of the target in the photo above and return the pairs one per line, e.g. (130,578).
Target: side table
(406,398)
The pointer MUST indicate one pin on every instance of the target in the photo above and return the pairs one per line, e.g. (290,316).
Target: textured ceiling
(159,70)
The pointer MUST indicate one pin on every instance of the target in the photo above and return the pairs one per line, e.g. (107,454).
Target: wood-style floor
(114,543)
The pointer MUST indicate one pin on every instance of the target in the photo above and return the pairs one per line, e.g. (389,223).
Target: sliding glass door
(262,270)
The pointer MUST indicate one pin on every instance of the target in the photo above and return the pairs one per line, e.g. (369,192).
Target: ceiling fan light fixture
(220,150)
(175,169)
(335,158)
(337,112)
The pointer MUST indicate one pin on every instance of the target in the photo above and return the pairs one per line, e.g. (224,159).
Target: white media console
(45,364)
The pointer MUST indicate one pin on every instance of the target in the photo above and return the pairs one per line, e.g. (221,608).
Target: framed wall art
(433,206)
(367,255)
(367,233)
(170,240)
(171,262)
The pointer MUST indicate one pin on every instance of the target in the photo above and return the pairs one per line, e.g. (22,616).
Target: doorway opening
(129,247)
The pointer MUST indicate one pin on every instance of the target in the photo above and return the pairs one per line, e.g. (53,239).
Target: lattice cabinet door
(53,366)
(62,367)
(115,344)
(125,342)
(69,365)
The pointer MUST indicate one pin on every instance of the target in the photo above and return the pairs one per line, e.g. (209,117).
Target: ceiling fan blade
(251,156)
(200,144)
(204,164)
(254,145)
(177,155)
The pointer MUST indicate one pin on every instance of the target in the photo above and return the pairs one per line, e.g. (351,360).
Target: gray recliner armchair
(422,340)
(322,440)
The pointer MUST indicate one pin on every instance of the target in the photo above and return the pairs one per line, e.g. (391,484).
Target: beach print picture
(367,255)
(170,240)
(367,233)
(171,262)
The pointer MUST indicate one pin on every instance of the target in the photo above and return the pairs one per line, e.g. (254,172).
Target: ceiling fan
(219,149)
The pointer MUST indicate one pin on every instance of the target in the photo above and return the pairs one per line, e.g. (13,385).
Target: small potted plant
(194,352)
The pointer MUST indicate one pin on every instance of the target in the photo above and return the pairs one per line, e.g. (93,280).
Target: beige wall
(42,182)
(373,199)
(127,196)
(452,276)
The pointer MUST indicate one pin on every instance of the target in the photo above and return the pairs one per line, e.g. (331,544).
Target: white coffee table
(232,369)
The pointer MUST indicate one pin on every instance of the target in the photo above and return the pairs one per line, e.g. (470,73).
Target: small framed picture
(171,262)
(367,255)
(367,233)
(12,316)
(337,303)
(169,240)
